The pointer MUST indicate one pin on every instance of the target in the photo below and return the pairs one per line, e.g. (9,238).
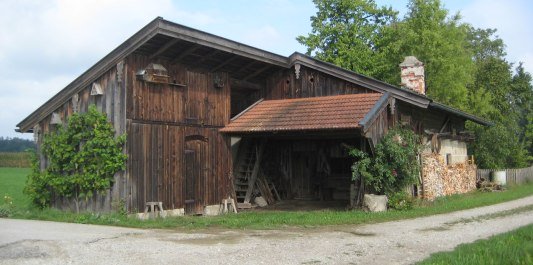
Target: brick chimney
(413,75)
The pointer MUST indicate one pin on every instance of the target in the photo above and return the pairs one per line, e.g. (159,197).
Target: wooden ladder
(246,172)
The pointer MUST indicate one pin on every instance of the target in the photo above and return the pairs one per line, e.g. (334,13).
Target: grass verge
(12,182)
(514,247)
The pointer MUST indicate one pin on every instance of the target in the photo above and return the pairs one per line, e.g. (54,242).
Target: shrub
(394,164)
(82,158)
(400,201)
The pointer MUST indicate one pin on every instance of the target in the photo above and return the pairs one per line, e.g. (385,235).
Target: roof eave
(156,26)
(460,113)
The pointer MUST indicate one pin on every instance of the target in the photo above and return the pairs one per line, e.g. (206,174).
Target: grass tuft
(514,247)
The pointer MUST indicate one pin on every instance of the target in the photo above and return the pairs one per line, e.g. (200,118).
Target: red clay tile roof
(318,113)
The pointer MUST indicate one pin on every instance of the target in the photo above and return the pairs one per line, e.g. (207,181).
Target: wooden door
(195,173)
(303,170)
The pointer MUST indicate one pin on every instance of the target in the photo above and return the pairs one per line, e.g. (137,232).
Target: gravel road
(400,242)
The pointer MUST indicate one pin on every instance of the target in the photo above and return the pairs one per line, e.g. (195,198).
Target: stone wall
(440,179)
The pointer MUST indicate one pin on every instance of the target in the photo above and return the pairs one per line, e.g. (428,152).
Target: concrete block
(260,201)
(211,210)
(375,203)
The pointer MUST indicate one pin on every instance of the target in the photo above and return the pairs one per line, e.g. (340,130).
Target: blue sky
(44,45)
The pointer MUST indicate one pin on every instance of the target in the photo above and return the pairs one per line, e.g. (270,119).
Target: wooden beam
(237,83)
(205,57)
(443,127)
(246,66)
(164,48)
(188,51)
(251,182)
(205,39)
(226,62)
(262,69)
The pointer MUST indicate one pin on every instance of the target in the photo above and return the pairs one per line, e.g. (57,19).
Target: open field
(14,159)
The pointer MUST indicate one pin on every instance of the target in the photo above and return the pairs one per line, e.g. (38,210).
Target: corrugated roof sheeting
(317,113)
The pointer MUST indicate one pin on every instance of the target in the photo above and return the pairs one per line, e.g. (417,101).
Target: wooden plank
(255,171)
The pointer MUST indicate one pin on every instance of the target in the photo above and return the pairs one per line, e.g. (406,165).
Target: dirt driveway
(401,242)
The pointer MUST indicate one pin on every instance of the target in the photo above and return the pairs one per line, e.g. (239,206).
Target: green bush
(7,208)
(394,164)
(400,201)
(82,158)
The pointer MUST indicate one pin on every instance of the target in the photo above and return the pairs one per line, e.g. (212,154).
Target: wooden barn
(207,118)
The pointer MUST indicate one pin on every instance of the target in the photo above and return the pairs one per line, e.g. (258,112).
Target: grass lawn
(515,247)
(12,182)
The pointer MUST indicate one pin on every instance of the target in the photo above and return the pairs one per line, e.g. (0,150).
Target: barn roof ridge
(175,30)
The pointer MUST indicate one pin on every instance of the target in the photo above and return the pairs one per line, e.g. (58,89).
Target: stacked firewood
(439,179)
(487,186)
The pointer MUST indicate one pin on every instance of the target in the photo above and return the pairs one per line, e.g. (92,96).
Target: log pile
(439,179)
(487,186)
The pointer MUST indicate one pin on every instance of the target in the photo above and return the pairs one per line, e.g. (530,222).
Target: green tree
(500,97)
(346,33)
(521,99)
(370,40)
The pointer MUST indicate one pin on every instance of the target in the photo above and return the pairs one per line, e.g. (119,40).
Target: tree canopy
(465,66)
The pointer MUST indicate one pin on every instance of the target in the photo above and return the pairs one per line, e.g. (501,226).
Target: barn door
(304,164)
(195,173)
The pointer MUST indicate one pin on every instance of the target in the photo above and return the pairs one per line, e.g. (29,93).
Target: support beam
(443,127)
(205,57)
(164,48)
(246,66)
(262,69)
(188,51)
(226,62)
(237,83)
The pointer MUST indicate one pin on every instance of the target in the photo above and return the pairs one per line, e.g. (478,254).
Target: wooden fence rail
(514,176)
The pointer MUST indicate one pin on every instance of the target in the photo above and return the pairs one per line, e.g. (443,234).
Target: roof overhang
(459,113)
(167,37)
(325,114)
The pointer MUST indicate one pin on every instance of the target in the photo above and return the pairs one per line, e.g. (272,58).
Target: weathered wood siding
(421,119)
(198,103)
(111,103)
(173,134)
(157,165)
(380,126)
(311,83)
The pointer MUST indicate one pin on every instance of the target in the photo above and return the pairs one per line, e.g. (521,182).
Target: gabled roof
(304,114)
(162,38)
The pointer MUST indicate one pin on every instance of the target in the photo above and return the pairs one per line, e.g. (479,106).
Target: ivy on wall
(82,158)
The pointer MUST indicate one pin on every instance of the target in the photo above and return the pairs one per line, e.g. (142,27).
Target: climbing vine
(394,164)
(82,158)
